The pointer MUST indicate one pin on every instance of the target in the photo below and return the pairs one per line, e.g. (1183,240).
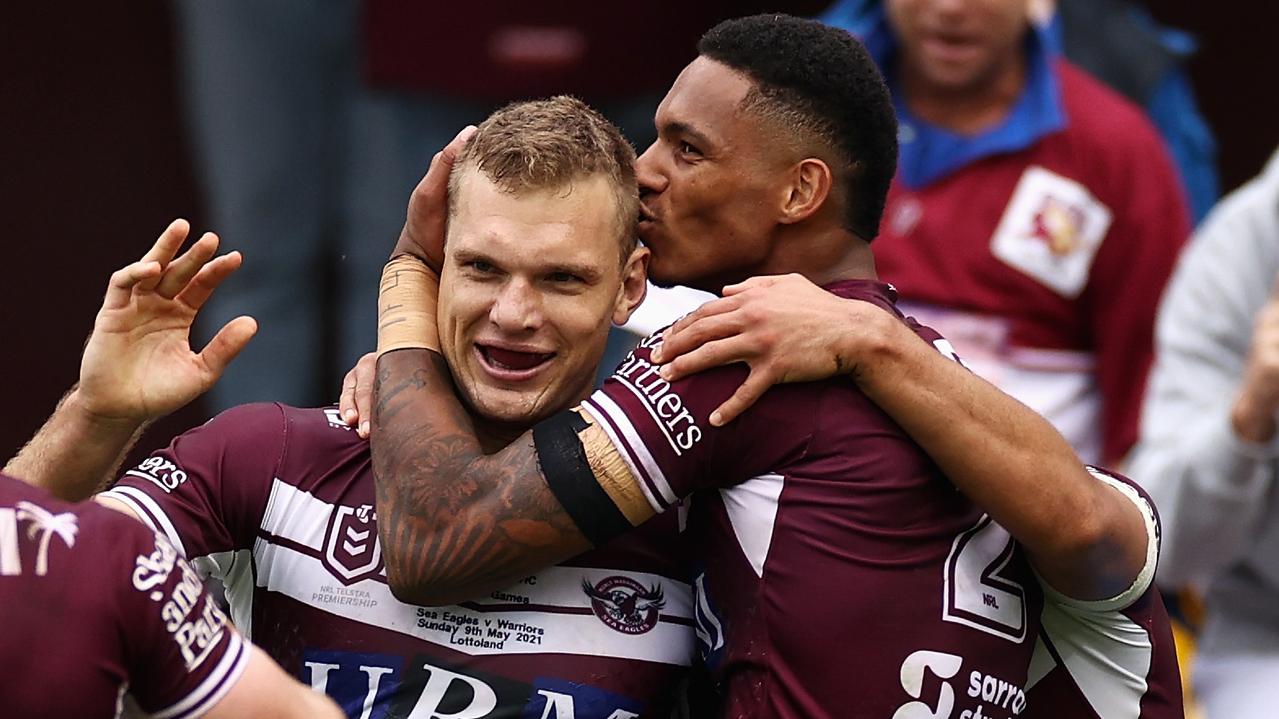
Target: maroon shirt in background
(842,575)
(91,602)
(278,503)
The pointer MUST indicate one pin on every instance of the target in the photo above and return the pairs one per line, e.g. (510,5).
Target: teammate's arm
(264,691)
(138,365)
(1085,538)
(455,522)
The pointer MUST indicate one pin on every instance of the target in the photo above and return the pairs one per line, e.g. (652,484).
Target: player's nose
(648,171)
(517,307)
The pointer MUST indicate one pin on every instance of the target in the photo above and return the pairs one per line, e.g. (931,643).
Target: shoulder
(1096,112)
(247,424)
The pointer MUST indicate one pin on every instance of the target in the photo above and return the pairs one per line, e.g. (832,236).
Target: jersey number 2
(978,592)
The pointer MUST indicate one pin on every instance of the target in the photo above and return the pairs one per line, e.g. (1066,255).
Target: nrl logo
(351,549)
(624,604)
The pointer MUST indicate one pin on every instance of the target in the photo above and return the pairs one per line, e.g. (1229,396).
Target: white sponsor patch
(546,613)
(1051,231)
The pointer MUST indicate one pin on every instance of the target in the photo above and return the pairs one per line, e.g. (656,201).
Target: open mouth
(512,364)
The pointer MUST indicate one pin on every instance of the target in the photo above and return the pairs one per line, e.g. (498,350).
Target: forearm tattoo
(452,520)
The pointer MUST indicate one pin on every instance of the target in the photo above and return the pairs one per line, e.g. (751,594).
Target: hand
(1253,413)
(423,233)
(785,328)
(138,363)
(356,402)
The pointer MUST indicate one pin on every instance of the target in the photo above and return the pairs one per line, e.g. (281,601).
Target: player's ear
(634,285)
(809,184)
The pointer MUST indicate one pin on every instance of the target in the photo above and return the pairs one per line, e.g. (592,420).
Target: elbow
(1108,553)
(428,591)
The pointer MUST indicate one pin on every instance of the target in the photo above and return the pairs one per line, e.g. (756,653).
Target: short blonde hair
(548,144)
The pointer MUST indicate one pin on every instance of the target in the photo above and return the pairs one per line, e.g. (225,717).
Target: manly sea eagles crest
(624,604)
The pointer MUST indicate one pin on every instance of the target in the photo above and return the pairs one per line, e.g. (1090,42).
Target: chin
(506,407)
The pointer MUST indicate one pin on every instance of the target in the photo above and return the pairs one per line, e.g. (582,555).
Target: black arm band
(572,481)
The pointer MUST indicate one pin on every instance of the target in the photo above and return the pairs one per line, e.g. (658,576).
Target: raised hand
(138,363)
(424,228)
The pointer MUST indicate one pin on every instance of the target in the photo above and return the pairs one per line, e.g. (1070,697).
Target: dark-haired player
(93,604)
(1097,657)
(842,575)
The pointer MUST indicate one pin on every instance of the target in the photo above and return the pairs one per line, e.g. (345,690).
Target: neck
(966,109)
(823,255)
(495,435)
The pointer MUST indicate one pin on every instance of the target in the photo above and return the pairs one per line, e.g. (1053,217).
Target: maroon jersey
(94,601)
(841,574)
(1109,659)
(278,503)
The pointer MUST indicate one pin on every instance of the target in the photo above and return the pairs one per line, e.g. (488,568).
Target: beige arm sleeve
(611,471)
(406,305)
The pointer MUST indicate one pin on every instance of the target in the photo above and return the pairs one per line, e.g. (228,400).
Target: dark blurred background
(96,162)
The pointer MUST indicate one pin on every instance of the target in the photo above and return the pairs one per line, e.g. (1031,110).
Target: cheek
(582,322)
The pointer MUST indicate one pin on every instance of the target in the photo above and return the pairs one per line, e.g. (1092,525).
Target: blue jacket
(929,153)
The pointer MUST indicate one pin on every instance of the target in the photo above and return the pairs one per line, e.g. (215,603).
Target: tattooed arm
(454,522)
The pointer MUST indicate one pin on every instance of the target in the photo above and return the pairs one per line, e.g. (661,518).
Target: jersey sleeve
(183,654)
(662,431)
(207,490)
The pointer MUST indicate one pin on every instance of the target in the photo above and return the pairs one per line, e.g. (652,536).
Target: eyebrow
(683,128)
(588,273)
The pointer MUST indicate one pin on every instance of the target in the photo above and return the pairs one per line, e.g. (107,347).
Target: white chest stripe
(296,515)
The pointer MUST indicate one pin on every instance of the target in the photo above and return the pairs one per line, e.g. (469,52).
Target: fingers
(346,400)
(166,246)
(366,370)
(706,356)
(751,283)
(198,290)
(226,344)
(678,339)
(424,226)
(120,286)
(180,271)
(451,151)
(435,182)
(697,335)
(756,384)
(356,402)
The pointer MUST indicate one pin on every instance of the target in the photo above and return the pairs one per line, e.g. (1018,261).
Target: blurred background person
(1035,216)
(1209,454)
(1119,43)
